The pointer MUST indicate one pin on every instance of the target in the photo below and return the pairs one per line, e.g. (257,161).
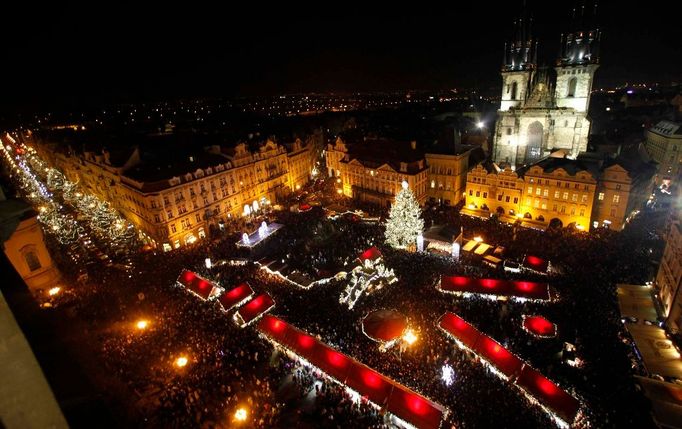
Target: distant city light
(181,361)
(54,291)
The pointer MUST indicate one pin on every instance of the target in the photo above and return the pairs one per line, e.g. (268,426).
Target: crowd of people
(229,367)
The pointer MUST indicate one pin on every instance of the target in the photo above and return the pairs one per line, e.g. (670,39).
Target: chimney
(413,144)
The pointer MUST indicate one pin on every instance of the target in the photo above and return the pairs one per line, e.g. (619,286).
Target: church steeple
(521,51)
(581,45)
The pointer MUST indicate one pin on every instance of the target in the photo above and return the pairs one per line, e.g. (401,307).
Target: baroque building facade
(372,170)
(176,204)
(542,109)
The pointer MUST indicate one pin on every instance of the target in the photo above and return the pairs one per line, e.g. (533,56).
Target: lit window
(32,260)
(556,194)
(601,196)
(530,189)
(538,191)
(565,195)
(616,198)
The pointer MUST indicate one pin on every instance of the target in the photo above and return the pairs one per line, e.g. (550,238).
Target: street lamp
(409,337)
(240,415)
(480,124)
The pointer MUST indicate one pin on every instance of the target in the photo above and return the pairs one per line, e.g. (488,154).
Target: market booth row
(397,399)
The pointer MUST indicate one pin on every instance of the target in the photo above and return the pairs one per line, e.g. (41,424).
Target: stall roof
(658,353)
(636,301)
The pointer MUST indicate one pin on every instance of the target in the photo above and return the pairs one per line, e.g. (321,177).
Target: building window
(471,193)
(538,191)
(582,212)
(584,199)
(537,203)
(554,208)
(173,229)
(545,193)
(169,213)
(485,195)
(530,189)
(616,198)
(618,187)
(506,199)
(528,201)
(572,84)
(516,200)
(556,194)
(478,193)
(601,196)
(565,195)
(574,197)
(572,211)
(514,90)
(613,212)
(509,131)
(198,217)
(32,260)
(157,218)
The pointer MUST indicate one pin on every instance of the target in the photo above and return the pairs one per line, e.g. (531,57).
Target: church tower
(518,65)
(578,60)
(541,112)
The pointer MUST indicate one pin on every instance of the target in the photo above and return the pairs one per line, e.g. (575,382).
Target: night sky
(81,54)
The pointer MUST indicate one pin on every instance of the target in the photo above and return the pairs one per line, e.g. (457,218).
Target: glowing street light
(181,362)
(142,324)
(240,415)
(409,337)
(54,291)
(480,124)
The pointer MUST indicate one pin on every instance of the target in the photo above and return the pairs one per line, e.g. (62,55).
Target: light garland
(365,279)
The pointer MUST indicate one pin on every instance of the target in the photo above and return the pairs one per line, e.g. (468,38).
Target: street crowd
(230,368)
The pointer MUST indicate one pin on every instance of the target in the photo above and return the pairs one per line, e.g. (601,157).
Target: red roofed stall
(384,392)
(539,326)
(235,295)
(372,253)
(196,284)
(536,264)
(549,394)
(254,308)
(510,288)
(545,391)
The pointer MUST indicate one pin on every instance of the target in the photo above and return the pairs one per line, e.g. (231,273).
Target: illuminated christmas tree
(404,221)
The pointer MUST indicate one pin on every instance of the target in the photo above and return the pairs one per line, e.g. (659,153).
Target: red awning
(399,400)
(257,306)
(234,296)
(535,263)
(460,329)
(501,358)
(544,390)
(369,383)
(520,289)
(196,284)
(384,325)
(372,253)
(415,408)
(549,394)
(538,325)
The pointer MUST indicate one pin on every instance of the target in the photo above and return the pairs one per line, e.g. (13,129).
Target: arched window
(572,83)
(514,90)
(32,260)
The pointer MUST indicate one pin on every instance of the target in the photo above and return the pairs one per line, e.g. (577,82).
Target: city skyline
(92,55)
